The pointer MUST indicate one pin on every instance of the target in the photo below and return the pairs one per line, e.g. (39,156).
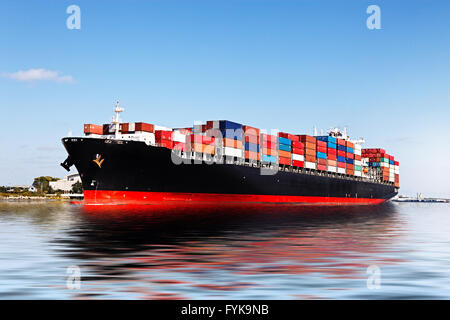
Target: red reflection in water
(194,249)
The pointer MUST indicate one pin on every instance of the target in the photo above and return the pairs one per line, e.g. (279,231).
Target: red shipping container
(341,164)
(349,155)
(341,153)
(93,129)
(179,146)
(142,126)
(350,166)
(305,138)
(357,157)
(297,144)
(322,161)
(283,160)
(268,137)
(252,139)
(288,136)
(250,131)
(396,163)
(340,142)
(350,171)
(331,151)
(269,145)
(321,144)
(298,151)
(297,163)
(332,157)
(322,167)
(166,143)
(391,158)
(163,135)
(321,149)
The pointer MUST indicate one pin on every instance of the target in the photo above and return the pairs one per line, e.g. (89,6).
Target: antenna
(117,120)
(315,131)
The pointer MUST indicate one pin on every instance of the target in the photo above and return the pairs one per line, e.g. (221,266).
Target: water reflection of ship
(196,251)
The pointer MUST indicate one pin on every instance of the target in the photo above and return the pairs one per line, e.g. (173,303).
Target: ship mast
(116,121)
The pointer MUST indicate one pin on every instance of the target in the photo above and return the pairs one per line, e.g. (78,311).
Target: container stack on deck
(382,165)
(251,138)
(309,144)
(269,148)
(284,148)
(245,143)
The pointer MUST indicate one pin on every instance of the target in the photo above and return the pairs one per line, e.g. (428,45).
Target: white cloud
(38,75)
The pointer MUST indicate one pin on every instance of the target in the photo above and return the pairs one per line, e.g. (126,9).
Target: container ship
(226,163)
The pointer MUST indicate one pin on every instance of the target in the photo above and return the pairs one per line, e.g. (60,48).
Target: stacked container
(321,155)
(309,144)
(298,153)
(232,138)
(180,138)
(349,158)
(201,144)
(331,151)
(164,139)
(358,160)
(269,148)
(396,174)
(251,146)
(284,149)
(341,156)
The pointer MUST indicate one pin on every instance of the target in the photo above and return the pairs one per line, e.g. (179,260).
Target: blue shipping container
(326,139)
(225,124)
(284,141)
(252,147)
(350,150)
(267,158)
(331,145)
(235,134)
(340,159)
(341,148)
(391,162)
(321,155)
(284,147)
(350,161)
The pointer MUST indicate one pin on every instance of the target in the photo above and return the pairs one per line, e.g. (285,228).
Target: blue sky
(272,64)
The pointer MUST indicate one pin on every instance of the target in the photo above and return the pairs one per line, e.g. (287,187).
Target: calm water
(301,253)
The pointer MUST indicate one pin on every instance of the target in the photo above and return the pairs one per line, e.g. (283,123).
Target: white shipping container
(357,152)
(357,147)
(384,164)
(298,157)
(358,173)
(131,126)
(178,137)
(232,152)
(358,163)
(310,165)
(341,170)
(332,169)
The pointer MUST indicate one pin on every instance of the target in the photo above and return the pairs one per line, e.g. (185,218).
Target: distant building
(66,183)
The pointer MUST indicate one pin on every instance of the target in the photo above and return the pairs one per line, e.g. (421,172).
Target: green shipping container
(385,160)
(358,168)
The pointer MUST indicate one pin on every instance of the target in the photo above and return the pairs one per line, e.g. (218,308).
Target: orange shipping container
(332,163)
(350,144)
(284,154)
(251,155)
(270,152)
(250,131)
(310,152)
(202,148)
(305,138)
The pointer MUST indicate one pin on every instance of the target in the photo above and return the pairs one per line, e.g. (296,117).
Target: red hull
(92,197)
